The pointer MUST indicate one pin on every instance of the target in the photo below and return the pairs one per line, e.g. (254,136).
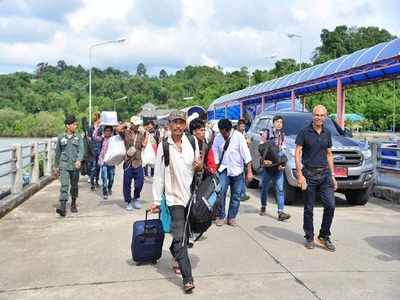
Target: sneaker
(232,222)
(73,207)
(129,206)
(92,187)
(105,196)
(262,211)
(62,208)
(309,244)
(219,222)
(136,204)
(326,243)
(283,216)
(245,198)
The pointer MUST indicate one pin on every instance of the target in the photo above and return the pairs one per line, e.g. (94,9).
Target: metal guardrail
(21,163)
(388,156)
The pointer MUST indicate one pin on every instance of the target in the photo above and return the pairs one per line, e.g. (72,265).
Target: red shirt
(210,162)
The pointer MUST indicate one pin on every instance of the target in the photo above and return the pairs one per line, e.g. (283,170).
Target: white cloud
(171,34)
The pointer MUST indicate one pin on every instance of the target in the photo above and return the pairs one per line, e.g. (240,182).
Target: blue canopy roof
(362,65)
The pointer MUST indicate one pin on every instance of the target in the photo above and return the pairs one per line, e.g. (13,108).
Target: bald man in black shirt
(314,153)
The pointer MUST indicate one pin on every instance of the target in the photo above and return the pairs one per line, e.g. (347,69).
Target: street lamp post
(119,99)
(293,35)
(394,106)
(249,72)
(90,72)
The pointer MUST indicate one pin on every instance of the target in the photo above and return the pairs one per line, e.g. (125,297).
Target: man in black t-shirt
(315,173)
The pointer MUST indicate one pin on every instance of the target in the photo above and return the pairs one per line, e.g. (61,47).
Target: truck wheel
(252,184)
(357,197)
(291,193)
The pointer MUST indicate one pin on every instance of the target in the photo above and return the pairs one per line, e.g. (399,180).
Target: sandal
(188,287)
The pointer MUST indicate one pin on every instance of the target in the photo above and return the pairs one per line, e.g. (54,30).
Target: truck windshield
(293,124)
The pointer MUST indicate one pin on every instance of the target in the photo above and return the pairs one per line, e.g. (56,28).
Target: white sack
(116,151)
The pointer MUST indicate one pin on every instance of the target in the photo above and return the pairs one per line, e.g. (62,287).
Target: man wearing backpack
(177,160)
(231,151)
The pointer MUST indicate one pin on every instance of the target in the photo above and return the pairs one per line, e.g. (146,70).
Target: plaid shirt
(134,139)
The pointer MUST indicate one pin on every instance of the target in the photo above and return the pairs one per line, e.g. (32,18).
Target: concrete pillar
(263,99)
(48,158)
(35,166)
(340,103)
(17,167)
(303,103)
(293,99)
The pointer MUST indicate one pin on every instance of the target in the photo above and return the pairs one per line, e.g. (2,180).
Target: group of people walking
(184,150)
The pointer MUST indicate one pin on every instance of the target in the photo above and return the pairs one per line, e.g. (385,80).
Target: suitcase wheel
(154,262)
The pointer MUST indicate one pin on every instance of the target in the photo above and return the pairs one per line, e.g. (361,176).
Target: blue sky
(171,34)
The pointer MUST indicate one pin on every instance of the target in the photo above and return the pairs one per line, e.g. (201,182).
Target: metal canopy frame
(365,66)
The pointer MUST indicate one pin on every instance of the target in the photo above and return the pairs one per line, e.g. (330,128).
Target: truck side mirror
(348,132)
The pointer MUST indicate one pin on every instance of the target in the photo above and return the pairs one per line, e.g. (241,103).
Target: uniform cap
(69,120)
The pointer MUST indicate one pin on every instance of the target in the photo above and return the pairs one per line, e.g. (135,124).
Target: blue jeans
(243,190)
(94,168)
(235,183)
(130,174)
(278,179)
(318,182)
(107,177)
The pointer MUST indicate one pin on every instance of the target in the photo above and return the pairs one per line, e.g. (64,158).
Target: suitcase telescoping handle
(149,228)
(148,211)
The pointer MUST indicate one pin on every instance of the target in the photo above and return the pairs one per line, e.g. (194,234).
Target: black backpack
(204,200)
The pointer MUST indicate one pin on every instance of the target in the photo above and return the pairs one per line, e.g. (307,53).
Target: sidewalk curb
(12,201)
(387,193)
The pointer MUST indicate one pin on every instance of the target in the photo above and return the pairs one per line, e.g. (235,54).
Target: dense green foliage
(34,104)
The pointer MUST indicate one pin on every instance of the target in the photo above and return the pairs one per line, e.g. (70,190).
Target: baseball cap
(177,115)
(136,121)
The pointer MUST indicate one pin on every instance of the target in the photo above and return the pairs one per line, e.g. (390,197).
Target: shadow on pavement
(385,204)
(276,233)
(339,198)
(388,245)
(164,267)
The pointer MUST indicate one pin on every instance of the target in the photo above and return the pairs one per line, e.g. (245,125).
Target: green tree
(141,70)
(344,40)
(163,74)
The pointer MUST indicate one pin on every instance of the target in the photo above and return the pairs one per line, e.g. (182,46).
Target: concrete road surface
(87,255)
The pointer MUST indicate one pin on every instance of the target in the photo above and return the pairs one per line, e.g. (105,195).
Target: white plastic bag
(148,155)
(116,151)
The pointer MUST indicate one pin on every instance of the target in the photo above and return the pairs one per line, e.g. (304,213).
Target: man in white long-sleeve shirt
(230,168)
(175,182)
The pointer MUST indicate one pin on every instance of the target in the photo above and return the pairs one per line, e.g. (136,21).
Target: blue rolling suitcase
(147,240)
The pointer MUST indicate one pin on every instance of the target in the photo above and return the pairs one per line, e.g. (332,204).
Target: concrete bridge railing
(29,168)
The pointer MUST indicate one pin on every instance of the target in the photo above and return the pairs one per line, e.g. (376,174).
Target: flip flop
(188,287)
